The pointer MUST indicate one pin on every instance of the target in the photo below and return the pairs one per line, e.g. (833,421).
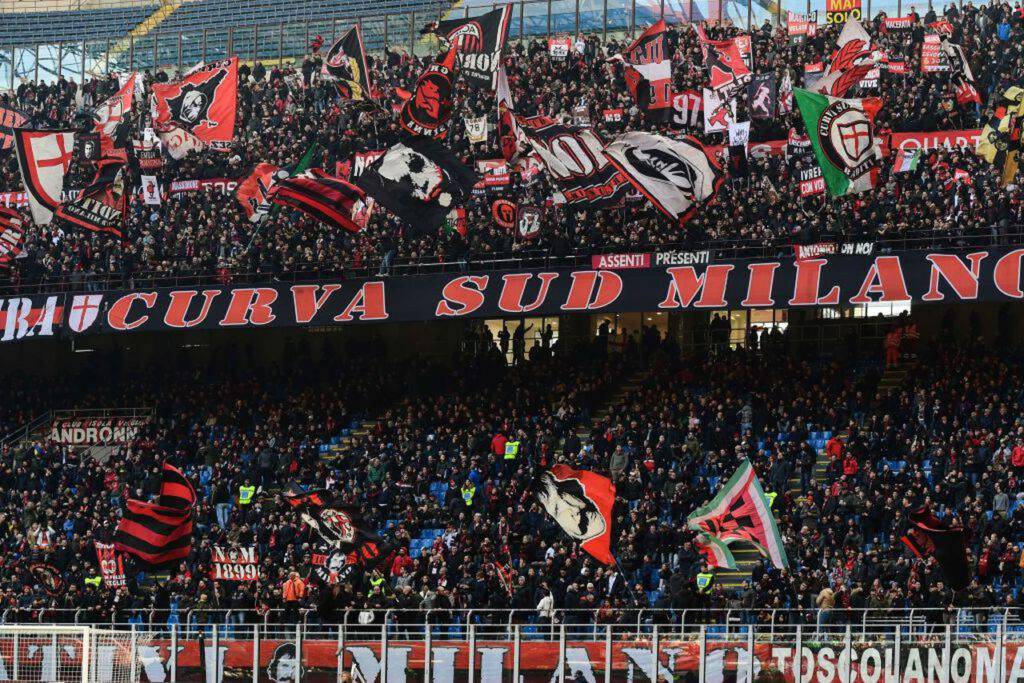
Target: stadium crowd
(431,474)
(283,110)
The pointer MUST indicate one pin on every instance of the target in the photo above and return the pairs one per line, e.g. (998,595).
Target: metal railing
(377,652)
(37,423)
(581,623)
(277,42)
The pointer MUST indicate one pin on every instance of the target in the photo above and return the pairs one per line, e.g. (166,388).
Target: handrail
(22,433)
(51,416)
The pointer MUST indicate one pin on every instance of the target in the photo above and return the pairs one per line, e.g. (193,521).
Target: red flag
(581,503)
(198,110)
(429,111)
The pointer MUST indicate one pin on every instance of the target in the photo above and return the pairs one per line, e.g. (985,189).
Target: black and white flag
(480,41)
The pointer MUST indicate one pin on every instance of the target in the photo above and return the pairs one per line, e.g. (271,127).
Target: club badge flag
(428,112)
(674,175)
(740,512)
(110,121)
(197,111)
(345,64)
(1001,139)
(842,135)
(480,41)
(44,157)
(150,190)
(580,502)
(111,565)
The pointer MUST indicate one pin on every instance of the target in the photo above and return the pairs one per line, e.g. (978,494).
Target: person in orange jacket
(293,592)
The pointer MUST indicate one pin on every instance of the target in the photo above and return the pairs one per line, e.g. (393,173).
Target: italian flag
(842,133)
(906,160)
(741,512)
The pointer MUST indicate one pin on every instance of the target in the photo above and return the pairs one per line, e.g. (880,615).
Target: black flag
(930,536)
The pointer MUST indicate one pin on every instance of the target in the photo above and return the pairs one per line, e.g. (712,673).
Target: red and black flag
(942,539)
(429,111)
(12,235)
(324,197)
(256,192)
(298,495)
(197,111)
(110,122)
(727,71)
(10,119)
(479,40)
(159,534)
(648,70)
(581,503)
(346,66)
(101,206)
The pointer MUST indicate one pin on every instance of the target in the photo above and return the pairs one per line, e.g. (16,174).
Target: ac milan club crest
(468,37)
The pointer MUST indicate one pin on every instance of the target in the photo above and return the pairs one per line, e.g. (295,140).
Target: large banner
(322,660)
(234,563)
(841,279)
(95,431)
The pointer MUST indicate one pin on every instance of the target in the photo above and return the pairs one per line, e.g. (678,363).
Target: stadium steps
(625,388)
(143,29)
(748,558)
(893,377)
(343,443)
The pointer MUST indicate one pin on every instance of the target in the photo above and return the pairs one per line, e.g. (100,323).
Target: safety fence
(285,41)
(546,653)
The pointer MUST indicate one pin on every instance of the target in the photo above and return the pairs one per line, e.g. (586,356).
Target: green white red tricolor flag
(740,512)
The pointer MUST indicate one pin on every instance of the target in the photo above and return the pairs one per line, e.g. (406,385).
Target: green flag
(842,134)
(306,161)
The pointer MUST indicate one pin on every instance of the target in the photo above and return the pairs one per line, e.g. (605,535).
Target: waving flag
(12,235)
(509,134)
(930,536)
(197,111)
(480,41)
(100,207)
(739,512)
(1001,139)
(960,73)
(329,200)
(851,63)
(159,534)
(727,71)
(110,122)
(648,70)
(429,111)
(674,175)
(581,503)
(345,64)
(44,157)
(842,134)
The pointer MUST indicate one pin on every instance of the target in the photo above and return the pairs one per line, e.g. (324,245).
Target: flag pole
(622,575)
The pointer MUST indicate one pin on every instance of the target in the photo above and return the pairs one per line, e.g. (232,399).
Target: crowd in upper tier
(281,111)
(847,461)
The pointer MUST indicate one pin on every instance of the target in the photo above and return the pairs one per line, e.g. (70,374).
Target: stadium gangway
(453,623)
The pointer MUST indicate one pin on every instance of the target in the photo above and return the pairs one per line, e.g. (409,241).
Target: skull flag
(197,111)
(739,512)
(419,181)
(429,111)
(842,134)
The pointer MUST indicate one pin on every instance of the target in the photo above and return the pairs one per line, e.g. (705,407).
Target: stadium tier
(529,342)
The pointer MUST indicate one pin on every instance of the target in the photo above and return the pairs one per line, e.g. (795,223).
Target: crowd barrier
(555,653)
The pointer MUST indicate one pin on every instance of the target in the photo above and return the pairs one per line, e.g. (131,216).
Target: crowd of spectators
(283,110)
(429,472)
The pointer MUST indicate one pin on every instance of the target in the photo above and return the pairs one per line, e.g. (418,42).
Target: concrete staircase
(747,557)
(345,441)
(143,29)
(625,388)
(893,378)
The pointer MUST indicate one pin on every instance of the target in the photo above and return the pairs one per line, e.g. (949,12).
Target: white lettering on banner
(22,320)
(81,432)
(620,261)
(858,249)
(682,258)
